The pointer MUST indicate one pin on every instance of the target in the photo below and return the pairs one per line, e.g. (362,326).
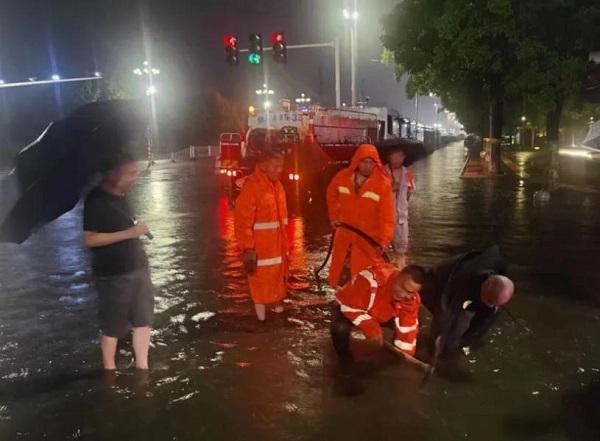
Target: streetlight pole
(353,16)
(338,92)
(150,72)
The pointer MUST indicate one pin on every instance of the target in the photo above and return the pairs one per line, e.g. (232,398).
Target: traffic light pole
(336,49)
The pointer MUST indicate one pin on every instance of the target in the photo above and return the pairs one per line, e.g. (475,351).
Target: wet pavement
(218,375)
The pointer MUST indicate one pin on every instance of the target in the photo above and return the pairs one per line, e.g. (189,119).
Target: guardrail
(190,153)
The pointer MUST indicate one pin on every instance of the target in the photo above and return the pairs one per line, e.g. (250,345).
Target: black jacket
(451,292)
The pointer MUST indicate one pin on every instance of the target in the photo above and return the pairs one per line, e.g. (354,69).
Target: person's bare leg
(261,311)
(141,345)
(278,308)
(109,351)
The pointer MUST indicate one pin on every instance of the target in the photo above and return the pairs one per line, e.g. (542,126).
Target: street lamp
(523,118)
(1,81)
(267,104)
(353,16)
(265,91)
(303,99)
(55,77)
(97,74)
(150,72)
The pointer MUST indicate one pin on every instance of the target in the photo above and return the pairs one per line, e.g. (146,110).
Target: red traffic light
(277,37)
(230,40)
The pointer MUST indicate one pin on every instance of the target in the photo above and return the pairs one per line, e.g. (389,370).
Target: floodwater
(218,375)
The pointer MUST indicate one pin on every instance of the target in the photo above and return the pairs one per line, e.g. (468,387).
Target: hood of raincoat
(365,151)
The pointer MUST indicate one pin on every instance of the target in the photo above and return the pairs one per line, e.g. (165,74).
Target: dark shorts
(125,301)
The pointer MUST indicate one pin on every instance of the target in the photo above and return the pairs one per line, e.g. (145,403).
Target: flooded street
(219,375)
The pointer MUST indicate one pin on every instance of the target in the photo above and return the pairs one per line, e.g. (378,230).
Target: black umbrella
(414,150)
(51,173)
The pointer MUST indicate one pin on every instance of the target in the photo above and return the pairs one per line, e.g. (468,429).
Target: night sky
(184,39)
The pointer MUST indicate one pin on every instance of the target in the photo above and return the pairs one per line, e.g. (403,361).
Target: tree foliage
(498,54)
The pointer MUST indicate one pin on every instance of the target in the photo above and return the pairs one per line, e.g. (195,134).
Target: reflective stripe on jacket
(367,301)
(260,218)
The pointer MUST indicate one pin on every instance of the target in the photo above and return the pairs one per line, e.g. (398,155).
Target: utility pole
(352,16)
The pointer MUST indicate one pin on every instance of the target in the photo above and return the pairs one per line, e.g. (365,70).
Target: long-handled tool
(406,357)
(517,321)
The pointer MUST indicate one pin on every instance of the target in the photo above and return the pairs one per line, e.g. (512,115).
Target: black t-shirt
(106,213)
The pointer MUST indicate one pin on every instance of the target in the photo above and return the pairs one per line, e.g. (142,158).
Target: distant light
(346,14)
(523,118)
(536,148)
(32,79)
(151,90)
(296,177)
(55,77)
(1,81)
(576,153)
(521,183)
(155,71)
(252,110)
(355,15)
(145,63)
(137,71)
(267,104)
(97,74)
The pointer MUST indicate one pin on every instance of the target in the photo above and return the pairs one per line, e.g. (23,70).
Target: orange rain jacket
(367,301)
(260,220)
(371,211)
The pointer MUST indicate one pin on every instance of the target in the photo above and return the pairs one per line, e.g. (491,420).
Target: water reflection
(276,381)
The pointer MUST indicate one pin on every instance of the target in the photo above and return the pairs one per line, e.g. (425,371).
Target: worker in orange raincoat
(360,196)
(260,221)
(378,296)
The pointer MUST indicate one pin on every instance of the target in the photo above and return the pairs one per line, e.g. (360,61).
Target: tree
(459,49)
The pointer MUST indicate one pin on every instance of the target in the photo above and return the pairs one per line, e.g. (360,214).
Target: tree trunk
(552,127)
(496,119)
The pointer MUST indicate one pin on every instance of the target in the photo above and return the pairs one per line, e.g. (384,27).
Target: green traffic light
(254,58)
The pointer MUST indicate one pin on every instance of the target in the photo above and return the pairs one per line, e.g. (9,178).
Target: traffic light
(256,49)
(231,50)
(279,47)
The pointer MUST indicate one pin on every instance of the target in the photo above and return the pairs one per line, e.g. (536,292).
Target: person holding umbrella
(403,184)
(119,263)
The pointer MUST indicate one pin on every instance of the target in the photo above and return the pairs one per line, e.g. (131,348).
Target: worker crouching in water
(379,296)
(260,220)
(465,295)
(360,196)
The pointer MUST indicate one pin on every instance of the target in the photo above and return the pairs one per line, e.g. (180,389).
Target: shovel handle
(406,357)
